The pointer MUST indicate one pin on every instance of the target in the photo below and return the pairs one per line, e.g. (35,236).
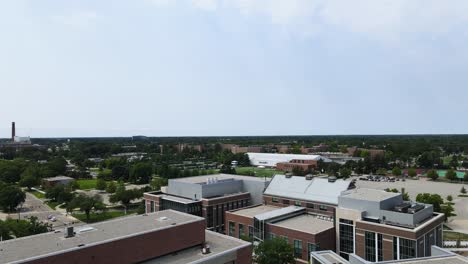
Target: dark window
(420,244)
(407,248)
(152,206)
(285,201)
(209,216)
(285,238)
(311,248)
(439,236)
(297,203)
(251,232)
(430,241)
(271,236)
(297,248)
(370,246)
(241,230)
(232,228)
(395,248)
(346,237)
(323,208)
(311,206)
(379,247)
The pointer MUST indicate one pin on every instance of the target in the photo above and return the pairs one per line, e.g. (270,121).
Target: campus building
(379,226)
(438,255)
(317,194)
(305,232)
(208,196)
(272,159)
(162,237)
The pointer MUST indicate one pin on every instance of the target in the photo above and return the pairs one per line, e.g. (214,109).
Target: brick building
(304,165)
(208,196)
(378,226)
(162,237)
(317,194)
(305,232)
(54,181)
(438,255)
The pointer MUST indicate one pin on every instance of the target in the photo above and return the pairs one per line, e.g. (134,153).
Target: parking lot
(413,187)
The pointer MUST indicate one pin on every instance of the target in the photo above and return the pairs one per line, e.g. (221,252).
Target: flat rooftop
(330,257)
(58,178)
(204,178)
(177,199)
(218,244)
(436,260)
(306,223)
(256,210)
(30,247)
(369,194)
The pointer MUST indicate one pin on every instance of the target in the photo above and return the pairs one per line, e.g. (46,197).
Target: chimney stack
(13,131)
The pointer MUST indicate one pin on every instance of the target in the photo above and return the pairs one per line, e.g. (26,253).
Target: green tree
(274,251)
(111,187)
(141,172)
(29,181)
(125,197)
(433,175)
(101,184)
(157,183)
(463,190)
(10,197)
(59,194)
(381,171)
(465,177)
(447,209)
(405,195)
(434,199)
(412,172)
(345,173)
(449,198)
(87,204)
(396,171)
(451,175)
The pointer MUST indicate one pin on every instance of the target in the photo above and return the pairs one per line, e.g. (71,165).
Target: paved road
(36,207)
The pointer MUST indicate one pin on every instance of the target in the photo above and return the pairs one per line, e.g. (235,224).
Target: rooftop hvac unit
(402,208)
(416,208)
(288,175)
(309,177)
(69,232)
(332,179)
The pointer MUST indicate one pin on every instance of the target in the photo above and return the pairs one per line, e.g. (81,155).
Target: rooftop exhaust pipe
(288,175)
(69,232)
(13,131)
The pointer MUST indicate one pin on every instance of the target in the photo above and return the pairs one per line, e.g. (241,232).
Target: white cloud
(160,3)
(380,18)
(209,5)
(77,20)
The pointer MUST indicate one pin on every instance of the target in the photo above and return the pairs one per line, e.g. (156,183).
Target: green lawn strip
(87,184)
(38,194)
(259,172)
(448,235)
(52,205)
(102,216)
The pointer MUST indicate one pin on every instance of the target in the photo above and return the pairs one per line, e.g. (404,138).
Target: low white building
(271,159)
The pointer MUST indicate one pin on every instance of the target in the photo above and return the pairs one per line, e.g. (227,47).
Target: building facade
(379,226)
(208,196)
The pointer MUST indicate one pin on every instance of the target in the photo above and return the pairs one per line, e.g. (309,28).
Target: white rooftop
(271,159)
(369,194)
(297,187)
(278,212)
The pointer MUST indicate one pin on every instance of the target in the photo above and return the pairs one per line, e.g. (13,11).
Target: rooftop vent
(163,218)
(309,177)
(206,249)
(288,175)
(402,208)
(416,208)
(332,179)
(69,232)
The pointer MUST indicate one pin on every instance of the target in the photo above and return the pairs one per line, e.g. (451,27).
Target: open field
(38,194)
(87,184)
(259,172)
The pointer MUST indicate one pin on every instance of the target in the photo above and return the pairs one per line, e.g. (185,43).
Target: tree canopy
(274,251)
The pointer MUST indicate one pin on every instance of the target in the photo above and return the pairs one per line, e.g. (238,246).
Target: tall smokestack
(13,131)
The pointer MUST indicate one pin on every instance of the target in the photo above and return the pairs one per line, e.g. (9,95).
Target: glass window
(297,248)
(439,236)
(407,248)
(251,232)
(311,206)
(323,208)
(232,228)
(430,241)
(285,238)
(311,248)
(271,236)
(285,201)
(274,199)
(152,206)
(346,237)
(241,230)
(379,247)
(395,248)
(370,246)
(297,203)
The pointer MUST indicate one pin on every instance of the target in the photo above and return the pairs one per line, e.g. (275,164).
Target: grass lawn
(454,236)
(259,172)
(38,194)
(87,184)
(52,204)
(98,217)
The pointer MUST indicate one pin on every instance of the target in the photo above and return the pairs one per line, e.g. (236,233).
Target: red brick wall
(237,219)
(244,255)
(326,239)
(135,249)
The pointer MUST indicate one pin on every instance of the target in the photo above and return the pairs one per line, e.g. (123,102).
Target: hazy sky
(233,67)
